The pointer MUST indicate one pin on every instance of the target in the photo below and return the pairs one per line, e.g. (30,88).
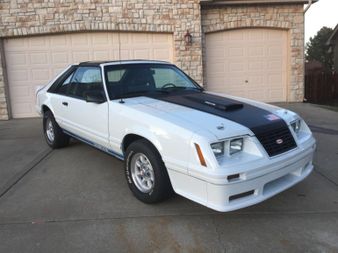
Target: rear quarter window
(62,80)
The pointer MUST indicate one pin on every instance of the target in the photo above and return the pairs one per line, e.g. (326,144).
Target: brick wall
(37,17)
(288,17)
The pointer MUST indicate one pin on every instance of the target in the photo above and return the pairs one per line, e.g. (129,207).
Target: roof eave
(333,35)
(235,2)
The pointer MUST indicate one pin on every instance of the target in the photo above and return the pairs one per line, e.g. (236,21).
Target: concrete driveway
(76,200)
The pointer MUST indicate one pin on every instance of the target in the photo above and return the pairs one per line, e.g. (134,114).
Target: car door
(87,120)
(57,94)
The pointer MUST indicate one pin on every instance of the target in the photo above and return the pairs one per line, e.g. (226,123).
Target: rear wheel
(146,173)
(54,135)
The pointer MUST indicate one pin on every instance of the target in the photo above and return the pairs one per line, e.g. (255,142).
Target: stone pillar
(4,111)
(188,17)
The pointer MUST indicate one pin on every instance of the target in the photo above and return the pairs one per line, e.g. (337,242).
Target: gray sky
(322,13)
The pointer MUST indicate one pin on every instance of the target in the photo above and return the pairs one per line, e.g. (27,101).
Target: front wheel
(146,173)
(54,135)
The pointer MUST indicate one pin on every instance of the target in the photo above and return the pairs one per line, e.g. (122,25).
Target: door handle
(65,103)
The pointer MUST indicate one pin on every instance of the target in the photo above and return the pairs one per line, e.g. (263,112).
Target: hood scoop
(216,103)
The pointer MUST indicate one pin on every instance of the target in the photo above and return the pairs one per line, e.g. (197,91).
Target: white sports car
(223,152)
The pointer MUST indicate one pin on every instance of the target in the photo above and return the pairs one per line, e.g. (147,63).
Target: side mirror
(96,97)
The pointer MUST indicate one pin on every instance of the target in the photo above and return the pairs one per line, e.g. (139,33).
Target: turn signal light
(200,155)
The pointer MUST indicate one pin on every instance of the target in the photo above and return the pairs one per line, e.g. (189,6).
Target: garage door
(250,63)
(33,61)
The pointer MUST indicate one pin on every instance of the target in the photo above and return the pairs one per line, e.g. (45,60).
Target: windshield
(132,80)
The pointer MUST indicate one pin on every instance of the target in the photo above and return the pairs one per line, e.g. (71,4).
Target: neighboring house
(251,48)
(333,43)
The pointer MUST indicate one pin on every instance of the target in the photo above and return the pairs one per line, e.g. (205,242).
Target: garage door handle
(65,103)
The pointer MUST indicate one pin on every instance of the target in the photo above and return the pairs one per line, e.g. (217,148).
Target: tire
(143,153)
(54,135)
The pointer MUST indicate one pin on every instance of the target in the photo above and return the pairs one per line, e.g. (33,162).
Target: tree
(316,48)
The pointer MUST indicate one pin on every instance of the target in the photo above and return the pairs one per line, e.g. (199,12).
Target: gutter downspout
(305,10)
(308,6)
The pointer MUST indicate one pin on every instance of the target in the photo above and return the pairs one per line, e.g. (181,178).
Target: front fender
(172,145)
(146,134)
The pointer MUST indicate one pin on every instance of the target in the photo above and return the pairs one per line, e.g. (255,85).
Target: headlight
(236,145)
(296,125)
(218,148)
(228,147)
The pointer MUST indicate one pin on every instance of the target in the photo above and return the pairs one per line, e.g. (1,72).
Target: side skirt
(95,145)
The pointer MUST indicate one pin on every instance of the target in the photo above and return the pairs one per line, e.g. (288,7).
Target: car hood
(197,120)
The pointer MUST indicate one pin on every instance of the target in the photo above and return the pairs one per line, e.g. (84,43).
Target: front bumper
(259,184)
(246,193)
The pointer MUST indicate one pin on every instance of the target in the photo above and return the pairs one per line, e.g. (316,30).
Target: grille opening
(233,177)
(277,141)
(241,195)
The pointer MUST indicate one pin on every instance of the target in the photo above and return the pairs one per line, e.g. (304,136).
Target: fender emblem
(279,141)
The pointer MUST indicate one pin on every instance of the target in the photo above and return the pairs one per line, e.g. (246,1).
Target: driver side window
(85,79)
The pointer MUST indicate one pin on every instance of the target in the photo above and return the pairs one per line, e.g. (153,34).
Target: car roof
(106,63)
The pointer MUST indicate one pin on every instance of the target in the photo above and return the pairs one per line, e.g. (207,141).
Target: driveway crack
(323,130)
(214,216)
(20,175)
(324,176)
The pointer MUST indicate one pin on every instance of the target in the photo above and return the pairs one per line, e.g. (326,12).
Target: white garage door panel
(33,61)
(250,63)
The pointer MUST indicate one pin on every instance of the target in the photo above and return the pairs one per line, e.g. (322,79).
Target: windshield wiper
(161,91)
(168,89)
(141,93)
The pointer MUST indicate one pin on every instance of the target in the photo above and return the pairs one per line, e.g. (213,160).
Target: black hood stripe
(256,119)
(272,131)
